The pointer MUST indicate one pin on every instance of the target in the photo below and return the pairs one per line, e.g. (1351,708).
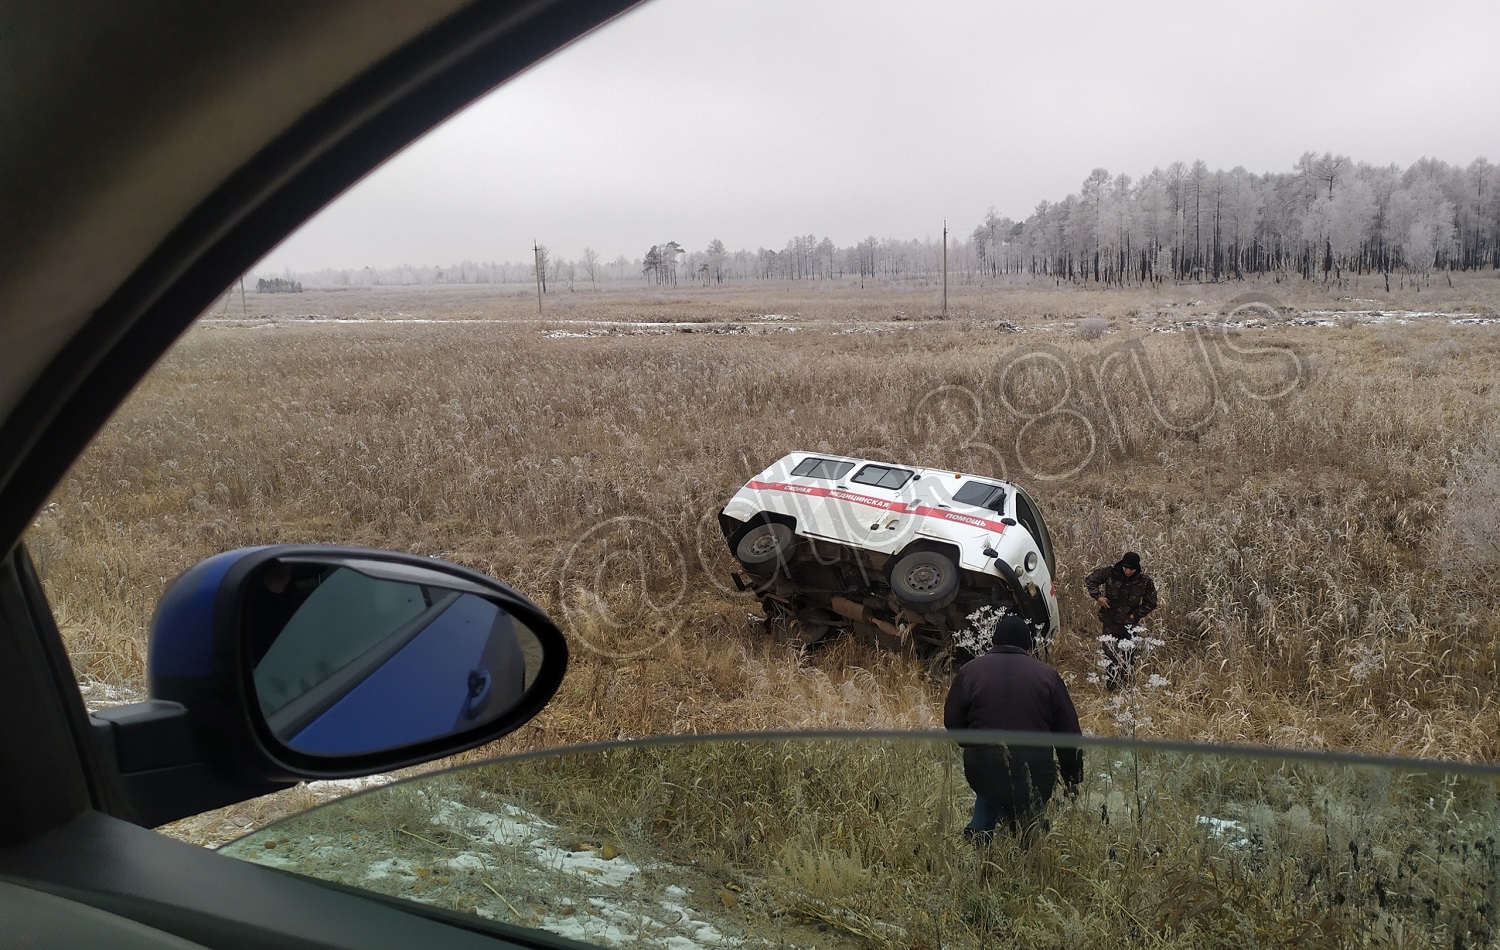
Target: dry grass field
(1311,490)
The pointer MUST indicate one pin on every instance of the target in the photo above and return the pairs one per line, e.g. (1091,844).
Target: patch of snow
(1325,319)
(467,861)
(1376,314)
(611,328)
(1223,828)
(339,787)
(602,919)
(388,867)
(701,931)
(516,827)
(615,904)
(99,695)
(636,323)
(588,928)
(590,864)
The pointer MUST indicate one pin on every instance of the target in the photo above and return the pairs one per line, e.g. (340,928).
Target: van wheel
(925,578)
(764,544)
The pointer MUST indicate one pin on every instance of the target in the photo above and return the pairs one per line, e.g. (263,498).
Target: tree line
(1326,219)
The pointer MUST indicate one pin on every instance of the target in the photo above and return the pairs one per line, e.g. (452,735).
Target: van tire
(764,544)
(925,579)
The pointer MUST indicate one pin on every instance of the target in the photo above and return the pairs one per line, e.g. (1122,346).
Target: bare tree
(1351,214)
(1197,178)
(539,269)
(591,266)
(1093,197)
(1330,169)
(714,260)
(1175,184)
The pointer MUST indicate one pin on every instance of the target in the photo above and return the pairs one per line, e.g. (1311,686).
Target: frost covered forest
(1329,219)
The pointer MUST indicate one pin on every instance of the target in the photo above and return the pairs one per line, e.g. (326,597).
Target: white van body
(894,553)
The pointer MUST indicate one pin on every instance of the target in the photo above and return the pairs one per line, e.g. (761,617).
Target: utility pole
(945,268)
(536,257)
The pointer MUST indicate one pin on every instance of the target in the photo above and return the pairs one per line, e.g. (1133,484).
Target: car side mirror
(347,657)
(285,663)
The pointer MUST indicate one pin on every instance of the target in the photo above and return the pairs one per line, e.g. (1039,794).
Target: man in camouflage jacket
(1125,595)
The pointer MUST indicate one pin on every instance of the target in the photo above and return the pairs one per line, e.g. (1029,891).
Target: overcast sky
(755,120)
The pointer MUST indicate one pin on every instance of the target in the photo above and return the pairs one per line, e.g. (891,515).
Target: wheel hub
(923,578)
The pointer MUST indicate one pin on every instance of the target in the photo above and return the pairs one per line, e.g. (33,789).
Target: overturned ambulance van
(897,555)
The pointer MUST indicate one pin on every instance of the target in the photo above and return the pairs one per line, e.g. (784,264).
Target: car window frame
(818,463)
(993,501)
(910,474)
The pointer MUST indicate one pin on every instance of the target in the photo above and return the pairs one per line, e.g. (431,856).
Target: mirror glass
(857,841)
(347,661)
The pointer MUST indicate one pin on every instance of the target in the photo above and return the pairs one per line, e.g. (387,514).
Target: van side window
(981,495)
(882,476)
(822,468)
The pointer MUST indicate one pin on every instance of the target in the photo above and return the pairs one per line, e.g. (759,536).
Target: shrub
(1470,535)
(1092,328)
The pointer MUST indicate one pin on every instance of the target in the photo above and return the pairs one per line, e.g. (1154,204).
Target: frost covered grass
(1298,505)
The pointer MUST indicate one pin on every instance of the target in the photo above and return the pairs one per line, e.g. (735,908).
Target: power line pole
(945,268)
(536,256)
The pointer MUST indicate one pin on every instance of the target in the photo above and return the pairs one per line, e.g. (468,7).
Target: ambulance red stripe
(921,511)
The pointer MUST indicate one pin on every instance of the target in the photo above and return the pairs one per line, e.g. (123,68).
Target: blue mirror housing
(294,662)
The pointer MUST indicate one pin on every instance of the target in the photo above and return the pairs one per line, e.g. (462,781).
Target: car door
(156,155)
(1045,572)
(964,509)
(807,494)
(876,505)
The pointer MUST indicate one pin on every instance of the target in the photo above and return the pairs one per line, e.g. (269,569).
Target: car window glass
(822,468)
(830,841)
(344,617)
(882,476)
(980,495)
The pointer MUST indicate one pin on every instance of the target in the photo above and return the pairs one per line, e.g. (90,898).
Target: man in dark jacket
(1125,595)
(1008,688)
